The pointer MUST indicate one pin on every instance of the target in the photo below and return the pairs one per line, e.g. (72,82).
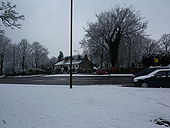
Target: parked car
(149,70)
(157,78)
(102,71)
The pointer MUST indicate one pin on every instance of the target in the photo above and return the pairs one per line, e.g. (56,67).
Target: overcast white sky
(47,21)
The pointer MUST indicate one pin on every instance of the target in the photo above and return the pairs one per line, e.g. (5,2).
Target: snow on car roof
(160,66)
(154,72)
(151,74)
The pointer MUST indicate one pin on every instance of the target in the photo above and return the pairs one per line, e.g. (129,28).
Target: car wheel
(144,85)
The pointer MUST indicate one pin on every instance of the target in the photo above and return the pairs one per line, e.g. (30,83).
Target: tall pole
(77,52)
(71,42)
(14,60)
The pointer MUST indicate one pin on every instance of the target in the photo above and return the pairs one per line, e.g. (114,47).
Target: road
(64,80)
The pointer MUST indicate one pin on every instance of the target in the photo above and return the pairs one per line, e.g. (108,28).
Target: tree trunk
(23,65)
(113,53)
(129,55)
(1,64)
(114,49)
(36,64)
(101,63)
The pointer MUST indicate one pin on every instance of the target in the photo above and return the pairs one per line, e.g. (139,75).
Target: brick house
(79,65)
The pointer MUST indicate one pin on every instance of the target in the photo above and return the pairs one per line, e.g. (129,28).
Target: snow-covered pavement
(23,106)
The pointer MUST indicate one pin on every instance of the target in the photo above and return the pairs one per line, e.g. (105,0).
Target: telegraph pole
(71,42)
(14,59)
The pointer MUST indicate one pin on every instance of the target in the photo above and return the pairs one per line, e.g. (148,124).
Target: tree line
(23,57)
(118,38)
(16,58)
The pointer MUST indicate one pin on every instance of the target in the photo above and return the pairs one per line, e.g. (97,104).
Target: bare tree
(151,46)
(114,25)
(9,16)
(53,61)
(97,50)
(165,42)
(133,48)
(24,51)
(4,45)
(39,54)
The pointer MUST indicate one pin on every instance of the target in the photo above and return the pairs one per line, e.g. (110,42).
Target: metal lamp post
(71,42)
(77,52)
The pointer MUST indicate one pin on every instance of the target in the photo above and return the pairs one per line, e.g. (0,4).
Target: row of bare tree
(21,56)
(9,18)
(118,38)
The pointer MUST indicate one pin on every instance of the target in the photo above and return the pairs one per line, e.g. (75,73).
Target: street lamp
(71,42)
(14,51)
(77,52)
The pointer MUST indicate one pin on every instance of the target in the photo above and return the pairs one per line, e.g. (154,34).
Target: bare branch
(9,16)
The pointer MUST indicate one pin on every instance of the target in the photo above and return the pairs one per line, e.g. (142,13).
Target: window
(147,71)
(168,73)
(161,74)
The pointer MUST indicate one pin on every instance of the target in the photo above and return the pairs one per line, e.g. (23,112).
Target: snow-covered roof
(64,62)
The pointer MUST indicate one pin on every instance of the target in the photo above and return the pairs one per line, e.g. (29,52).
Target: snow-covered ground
(26,106)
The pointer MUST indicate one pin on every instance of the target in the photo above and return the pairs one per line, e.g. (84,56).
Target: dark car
(157,78)
(149,70)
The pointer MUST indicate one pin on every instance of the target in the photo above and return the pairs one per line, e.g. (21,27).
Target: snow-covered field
(26,106)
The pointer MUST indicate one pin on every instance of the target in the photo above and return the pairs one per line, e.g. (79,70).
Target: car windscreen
(146,71)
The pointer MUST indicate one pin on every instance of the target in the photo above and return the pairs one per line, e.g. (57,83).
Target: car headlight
(135,80)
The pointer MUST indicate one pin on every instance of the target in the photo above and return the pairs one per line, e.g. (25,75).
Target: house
(79,65)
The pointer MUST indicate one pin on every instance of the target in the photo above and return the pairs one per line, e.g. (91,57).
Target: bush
(35,71)
(31,71)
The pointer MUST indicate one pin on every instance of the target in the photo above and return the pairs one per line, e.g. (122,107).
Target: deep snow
(26,106)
